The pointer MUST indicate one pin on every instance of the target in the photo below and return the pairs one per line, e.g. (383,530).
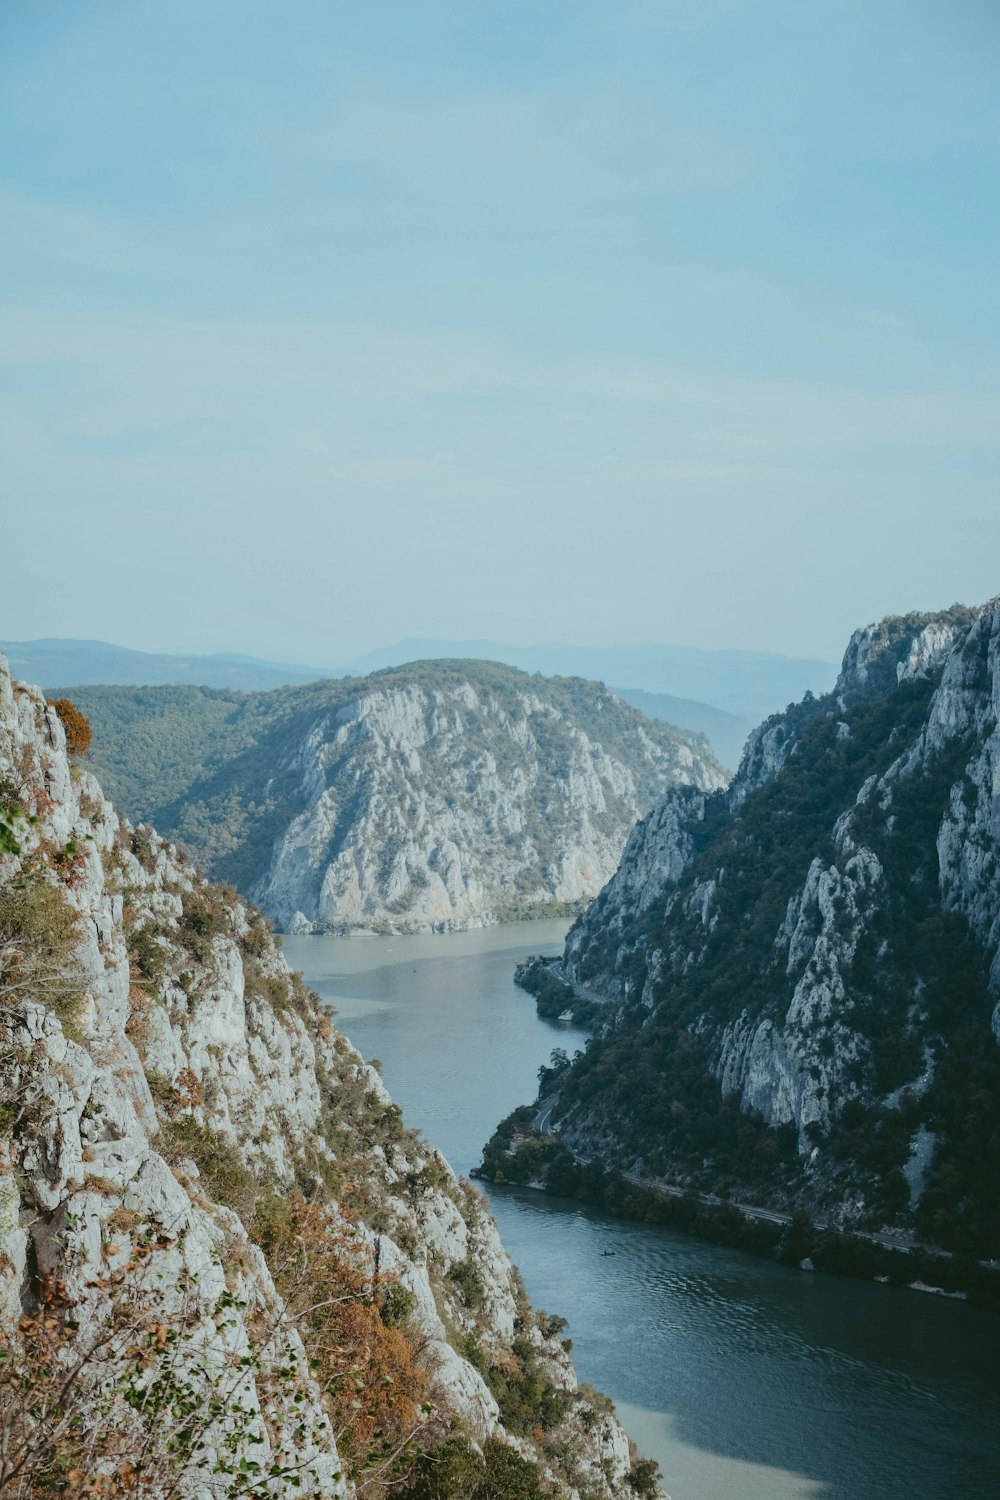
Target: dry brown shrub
(102,1185)
(124,1220)
(187,1088)
(78,731)
(38,937)
(335,1290)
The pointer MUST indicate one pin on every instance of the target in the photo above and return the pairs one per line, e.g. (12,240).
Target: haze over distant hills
(726,733)
(70,663)
(720,693)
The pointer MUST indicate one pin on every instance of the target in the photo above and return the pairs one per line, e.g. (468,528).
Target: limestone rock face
(441,796)
(658,852)
(186,1041)
(440,839)
(826,932)
(899,649)
(964,714)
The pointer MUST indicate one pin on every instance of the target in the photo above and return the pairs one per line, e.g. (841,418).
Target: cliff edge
(226,1266)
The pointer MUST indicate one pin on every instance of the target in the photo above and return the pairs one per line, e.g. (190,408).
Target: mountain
(749,684)
(226,1266)
(740,687)
(68,664)
(799,975)
(437,795)
(726,733)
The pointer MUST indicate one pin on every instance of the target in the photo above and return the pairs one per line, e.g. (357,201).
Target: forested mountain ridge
(442,794)
(226,1265)
(802,970)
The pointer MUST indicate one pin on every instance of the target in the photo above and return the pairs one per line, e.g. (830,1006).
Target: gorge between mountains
(782,990)
(499,810)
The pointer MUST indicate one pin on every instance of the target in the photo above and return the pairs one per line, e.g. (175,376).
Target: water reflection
(745,1381)
(859,1388)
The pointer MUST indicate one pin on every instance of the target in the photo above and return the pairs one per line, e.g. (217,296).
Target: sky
(327,324)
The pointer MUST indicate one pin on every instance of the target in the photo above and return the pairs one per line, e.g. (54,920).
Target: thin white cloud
(246,469)
(364,393)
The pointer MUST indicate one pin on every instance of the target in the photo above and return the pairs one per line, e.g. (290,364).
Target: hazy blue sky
(323,324)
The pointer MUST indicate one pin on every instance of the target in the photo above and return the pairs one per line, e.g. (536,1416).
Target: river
(743,1379)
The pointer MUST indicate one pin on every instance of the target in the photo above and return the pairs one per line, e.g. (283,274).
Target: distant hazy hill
(727,733)
(66,664)
(441,794)
(749,684)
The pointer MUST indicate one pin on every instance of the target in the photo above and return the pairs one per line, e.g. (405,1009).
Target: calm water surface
(746,1381)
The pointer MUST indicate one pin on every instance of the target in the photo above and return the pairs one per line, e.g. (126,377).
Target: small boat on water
(567,1015)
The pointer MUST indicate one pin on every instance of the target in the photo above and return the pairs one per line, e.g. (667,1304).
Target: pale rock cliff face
(789,1071)
(917,833)
(877,658)
(190,1029)
(658,852)
(966,711)
(441,808)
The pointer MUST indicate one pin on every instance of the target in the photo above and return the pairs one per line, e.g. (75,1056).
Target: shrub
(256,938)
(644,1477)
(11,812)
(76,725)
(198,915)
(146,955)
(455,1471)
(508,1476)
(551,1324)
(469,1280)
(397,1305)
(224,1175)
(142,847)
(451,1471)
(38,936)
(526,1397)
(200,921)
(367,1368)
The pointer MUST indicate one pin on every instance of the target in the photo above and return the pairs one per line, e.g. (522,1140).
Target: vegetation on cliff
(226,1265)
(807,1011)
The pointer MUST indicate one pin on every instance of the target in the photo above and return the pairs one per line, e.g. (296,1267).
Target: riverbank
(522,1154)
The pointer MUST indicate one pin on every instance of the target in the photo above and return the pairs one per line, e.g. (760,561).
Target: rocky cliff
(226,1267)
(801,973)
(442,795)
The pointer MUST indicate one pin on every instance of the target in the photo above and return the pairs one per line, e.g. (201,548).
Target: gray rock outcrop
(166,1085)
(441,796)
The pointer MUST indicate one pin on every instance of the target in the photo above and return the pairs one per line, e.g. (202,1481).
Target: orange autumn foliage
(331,1281)
(76,725)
